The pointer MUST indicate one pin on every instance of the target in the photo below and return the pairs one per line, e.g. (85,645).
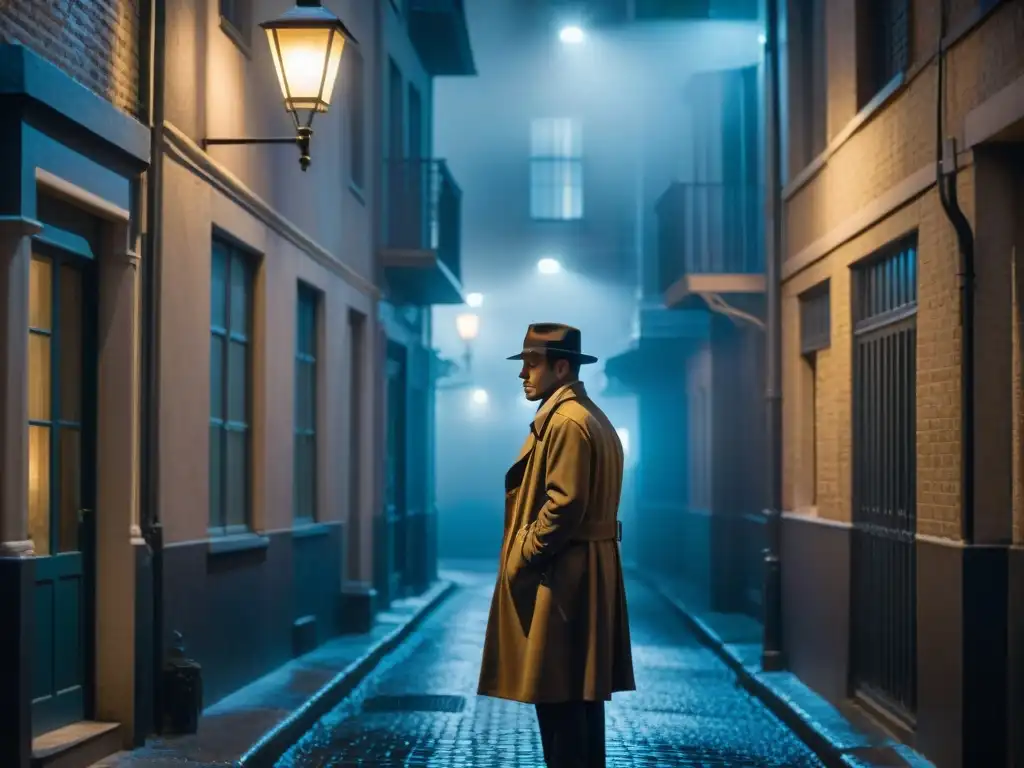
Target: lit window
(556,169)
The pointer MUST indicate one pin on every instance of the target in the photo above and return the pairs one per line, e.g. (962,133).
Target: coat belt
(598,530)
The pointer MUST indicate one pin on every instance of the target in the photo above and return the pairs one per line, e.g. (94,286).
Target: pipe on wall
(153,86)
(772,656)
(946,182)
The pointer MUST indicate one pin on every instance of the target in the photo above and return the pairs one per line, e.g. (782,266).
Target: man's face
(540,378)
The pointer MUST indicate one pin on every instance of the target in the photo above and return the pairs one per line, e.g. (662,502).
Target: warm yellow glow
(468,326)
(306,60)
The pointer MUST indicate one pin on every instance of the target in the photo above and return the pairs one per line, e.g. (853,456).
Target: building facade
(195,355)
(901,570)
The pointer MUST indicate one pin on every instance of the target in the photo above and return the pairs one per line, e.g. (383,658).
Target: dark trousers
(572,733)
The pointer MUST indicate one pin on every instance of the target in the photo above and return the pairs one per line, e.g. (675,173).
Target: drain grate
(415,703)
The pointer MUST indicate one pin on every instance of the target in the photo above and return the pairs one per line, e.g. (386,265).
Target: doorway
(62,482)
(395,470)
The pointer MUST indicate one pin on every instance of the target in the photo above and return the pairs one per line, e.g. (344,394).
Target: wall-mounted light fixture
(306,43)
(468,326)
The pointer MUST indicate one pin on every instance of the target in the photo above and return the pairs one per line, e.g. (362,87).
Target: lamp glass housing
(306,44)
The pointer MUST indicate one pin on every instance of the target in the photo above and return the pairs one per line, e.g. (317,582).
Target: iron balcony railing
(710,228)
(423,210)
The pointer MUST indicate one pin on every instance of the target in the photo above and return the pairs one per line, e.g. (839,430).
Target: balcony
(710,241)
(422,230)
(439,32)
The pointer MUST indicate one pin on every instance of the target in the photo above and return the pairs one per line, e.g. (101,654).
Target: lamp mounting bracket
(300,139)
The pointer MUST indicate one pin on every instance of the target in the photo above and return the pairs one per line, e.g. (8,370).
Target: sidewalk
(254,726)
(737,640)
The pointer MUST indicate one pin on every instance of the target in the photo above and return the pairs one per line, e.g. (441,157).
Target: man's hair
(572,360)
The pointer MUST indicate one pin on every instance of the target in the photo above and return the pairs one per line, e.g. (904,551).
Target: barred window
(883,45)
(556,169)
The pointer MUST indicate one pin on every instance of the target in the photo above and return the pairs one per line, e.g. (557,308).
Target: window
(883,45)
(356,117)
(556,169)
(809,71)
(234,16)
(815,336)
(230,389)
(306,391)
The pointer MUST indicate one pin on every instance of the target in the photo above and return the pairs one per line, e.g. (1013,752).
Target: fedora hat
(542,338)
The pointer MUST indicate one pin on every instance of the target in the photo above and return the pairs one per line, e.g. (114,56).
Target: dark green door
(61,382)
(395,467)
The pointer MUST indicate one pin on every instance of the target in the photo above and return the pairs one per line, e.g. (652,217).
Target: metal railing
(423,210)
(710,228)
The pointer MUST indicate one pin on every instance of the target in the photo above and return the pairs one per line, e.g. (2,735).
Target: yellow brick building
(889,598)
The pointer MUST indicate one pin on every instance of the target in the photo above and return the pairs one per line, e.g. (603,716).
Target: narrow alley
(420,708)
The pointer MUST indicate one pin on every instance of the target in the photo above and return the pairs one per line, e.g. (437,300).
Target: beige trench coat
(558,628)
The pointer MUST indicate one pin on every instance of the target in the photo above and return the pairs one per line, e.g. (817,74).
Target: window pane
(236,477)
(40,289)
(39,377)
(239,295)
(218,287)
(238,379)
(305,476)
(70,344)
(39,488)
(70,489)
(216,476)
(216,376)
(305,402)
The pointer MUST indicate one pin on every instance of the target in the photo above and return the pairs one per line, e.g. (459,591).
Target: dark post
(771,656)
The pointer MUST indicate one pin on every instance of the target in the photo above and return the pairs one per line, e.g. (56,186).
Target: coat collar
(574,390)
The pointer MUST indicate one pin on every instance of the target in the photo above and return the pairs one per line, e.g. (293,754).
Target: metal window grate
(885,286)
(815,318)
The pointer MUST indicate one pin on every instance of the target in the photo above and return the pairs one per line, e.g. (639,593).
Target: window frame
(559,162)
(308,356)
(357,119)
(217,519)
(236,22)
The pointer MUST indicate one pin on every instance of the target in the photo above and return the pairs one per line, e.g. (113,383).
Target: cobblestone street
(420,707)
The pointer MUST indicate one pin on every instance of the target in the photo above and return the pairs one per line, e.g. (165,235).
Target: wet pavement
(419,708)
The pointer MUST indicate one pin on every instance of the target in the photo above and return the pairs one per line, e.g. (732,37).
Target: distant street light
(549,266)
(571,35)
(474,299)
(468,326)
(480,396)
(306,43)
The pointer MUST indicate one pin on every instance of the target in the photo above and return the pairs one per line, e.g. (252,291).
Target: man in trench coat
(558,630)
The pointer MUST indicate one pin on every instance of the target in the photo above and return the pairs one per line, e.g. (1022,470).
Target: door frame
(60,249)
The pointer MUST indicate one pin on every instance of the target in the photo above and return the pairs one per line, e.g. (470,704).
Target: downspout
(152,530)
(946,182)
(772,658)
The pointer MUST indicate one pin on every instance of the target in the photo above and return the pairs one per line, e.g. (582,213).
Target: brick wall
(885,149)
(94,41)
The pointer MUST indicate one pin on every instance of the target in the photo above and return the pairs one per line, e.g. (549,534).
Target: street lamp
(549,266)
(571,35)
(468,326)
(474,299)
(306,43)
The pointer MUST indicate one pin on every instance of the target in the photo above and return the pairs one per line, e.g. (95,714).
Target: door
(61,478)
(883,644)
(395,470)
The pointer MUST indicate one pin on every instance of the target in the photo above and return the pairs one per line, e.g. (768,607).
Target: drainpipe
(946,182)
(152,531)
(772,658)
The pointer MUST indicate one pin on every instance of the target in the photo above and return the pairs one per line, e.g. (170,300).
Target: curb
(279,739)
(819,743)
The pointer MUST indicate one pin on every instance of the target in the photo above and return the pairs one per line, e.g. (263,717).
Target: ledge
(25,73)
(310,530)
(238,542)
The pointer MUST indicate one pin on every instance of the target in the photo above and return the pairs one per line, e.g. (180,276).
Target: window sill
(237,542)
(357,192)
(237,37)
(309,530)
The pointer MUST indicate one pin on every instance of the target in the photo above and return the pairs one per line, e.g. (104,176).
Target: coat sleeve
(567,489)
